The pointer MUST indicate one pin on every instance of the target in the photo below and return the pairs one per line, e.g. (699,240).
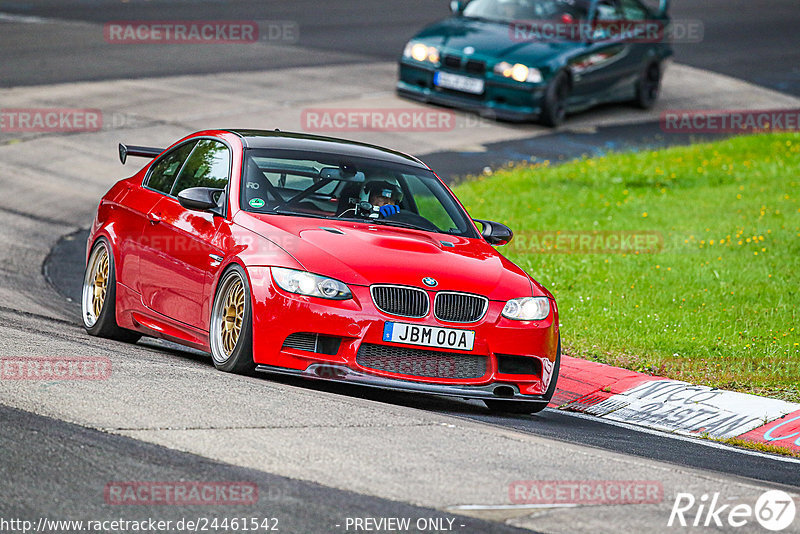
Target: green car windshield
(332,186)
(517,10)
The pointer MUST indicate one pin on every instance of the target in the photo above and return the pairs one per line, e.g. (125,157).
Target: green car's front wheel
(554,102)
(648,86)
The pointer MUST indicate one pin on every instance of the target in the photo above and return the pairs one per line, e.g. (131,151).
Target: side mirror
(200,199)
(457,6)
(494,233)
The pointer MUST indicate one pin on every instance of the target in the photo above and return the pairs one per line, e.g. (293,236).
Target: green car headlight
(311,285)
(518,72)
(527,309)
(421,52)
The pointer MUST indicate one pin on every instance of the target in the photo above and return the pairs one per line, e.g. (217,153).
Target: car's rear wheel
(648,86)
(554,102)
(510,406)
(99,296)
(231,332)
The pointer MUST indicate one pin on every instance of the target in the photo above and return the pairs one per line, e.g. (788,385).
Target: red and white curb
(670,405)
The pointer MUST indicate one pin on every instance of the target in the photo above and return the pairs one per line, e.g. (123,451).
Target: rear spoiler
(142,151)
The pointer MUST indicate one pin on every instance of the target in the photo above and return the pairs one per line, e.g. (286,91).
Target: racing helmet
(383,188)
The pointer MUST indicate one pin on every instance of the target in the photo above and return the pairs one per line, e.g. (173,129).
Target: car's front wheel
(99,296)
(231,332)
(554,102)
(648,86)
(518,407)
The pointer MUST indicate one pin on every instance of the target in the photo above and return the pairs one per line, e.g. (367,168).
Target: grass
(760,447)
(716,305)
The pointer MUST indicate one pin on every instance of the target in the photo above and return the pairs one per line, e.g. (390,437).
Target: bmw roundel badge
(430,282)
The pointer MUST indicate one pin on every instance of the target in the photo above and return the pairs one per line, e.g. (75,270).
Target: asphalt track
(91,459)
(59,468)
(755,40)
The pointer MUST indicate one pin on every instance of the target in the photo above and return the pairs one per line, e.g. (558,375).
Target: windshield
(332,186)
(514,10)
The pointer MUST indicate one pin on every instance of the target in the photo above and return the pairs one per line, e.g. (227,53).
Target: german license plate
(458,82)
(428,336)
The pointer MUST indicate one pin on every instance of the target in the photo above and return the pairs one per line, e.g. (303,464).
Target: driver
(509,9)
(384,195)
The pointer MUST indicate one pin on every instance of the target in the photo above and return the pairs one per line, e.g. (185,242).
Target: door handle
(154,218)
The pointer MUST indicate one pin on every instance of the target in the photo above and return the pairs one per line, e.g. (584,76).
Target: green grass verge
(760,447)
(717,304)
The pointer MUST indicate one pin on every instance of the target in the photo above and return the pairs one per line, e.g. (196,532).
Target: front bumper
(356,322)
(339,373)
(504,100)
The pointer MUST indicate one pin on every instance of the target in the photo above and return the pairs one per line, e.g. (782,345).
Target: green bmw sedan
(527,60)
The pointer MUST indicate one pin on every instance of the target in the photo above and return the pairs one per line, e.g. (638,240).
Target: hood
(492,42)
(365,254)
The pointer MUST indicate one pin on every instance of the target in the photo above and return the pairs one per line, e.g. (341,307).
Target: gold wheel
(96,282)
(232,316)
(100,283)
(228,325)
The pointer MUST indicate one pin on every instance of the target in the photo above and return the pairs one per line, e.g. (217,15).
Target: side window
(208,166)
(606,11)
(163,175)
(633,10)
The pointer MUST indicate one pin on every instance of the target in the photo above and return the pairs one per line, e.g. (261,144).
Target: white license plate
(458,82)
(428,336)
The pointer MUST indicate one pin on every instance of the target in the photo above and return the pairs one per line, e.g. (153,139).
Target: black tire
(240,358)
(102,323)
(518,407)
(554,103)
(648,86)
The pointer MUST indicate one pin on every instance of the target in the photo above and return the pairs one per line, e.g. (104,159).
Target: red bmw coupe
(318,257)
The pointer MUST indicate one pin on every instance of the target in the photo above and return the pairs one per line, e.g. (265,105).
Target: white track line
(704,442)
(24,19)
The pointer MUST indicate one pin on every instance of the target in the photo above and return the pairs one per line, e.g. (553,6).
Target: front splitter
(340,373)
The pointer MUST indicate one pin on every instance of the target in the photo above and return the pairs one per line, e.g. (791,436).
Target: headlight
(518,72)
(421,52)
(527,309)
(312,285)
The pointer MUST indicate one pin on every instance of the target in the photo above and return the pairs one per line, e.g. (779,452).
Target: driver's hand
(388,210)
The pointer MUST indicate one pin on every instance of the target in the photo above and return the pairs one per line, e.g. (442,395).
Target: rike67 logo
(774,510)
